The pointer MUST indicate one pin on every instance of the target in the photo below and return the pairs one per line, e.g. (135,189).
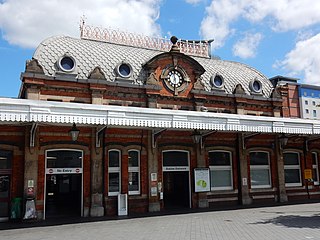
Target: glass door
(4,195)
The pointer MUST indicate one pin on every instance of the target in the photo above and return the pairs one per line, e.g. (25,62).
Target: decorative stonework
(198,84)
(194,48)
(34,66)
(239,90)
(152,80)
(97,74)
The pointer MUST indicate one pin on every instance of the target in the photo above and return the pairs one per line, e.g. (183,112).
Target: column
(96,209)
(31,171)
(280,168)
(201,163)
(154,201)
(243,170)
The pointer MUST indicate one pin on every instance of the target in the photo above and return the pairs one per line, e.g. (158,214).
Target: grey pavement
(294,222)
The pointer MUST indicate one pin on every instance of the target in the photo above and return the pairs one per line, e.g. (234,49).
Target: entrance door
(63,195)
(5,183)
(4,196)
(63,183)
(176,184)
(176,190)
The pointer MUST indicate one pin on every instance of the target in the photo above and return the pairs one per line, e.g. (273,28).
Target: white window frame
(222,168)
(134,169)
(261,167)
(297,167)
(316,167)
(114,170)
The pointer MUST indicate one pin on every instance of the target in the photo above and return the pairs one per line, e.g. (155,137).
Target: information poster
(202,179)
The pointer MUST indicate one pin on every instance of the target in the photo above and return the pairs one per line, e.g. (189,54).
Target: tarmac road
(292,222)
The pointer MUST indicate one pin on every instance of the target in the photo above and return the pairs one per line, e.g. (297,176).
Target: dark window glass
(259,158)
(114,159)
(291,159)
(64,159)
(218,81)
(124,70)
(133,159)
(175,158)
(114,181)
(67,63)
(315,175)
(219,158)
(256,86)
(5,159)
(292,175)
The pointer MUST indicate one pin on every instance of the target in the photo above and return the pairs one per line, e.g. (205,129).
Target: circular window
(67,64)
(256,86)
(124,70)
(217,81)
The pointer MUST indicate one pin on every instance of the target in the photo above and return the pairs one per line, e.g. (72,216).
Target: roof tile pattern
(89,54)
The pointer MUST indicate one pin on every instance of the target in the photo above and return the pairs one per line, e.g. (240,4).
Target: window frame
(114,170)
(261,167)
(297,167)
(316,167)
(134,169)
(222,168)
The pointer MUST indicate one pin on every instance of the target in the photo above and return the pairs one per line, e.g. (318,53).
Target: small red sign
(77,170)
(50,171)
(30,191)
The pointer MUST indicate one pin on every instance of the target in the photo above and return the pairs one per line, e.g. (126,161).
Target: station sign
(63,170)
(175,168)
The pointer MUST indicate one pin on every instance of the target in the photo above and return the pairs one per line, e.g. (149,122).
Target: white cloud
(283,15)
(246,47)
(193,1)
(304,59)
(27,23)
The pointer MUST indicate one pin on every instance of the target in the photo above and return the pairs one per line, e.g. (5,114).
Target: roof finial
(174,47)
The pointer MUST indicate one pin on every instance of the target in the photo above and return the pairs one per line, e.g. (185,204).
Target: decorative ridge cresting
(189,47)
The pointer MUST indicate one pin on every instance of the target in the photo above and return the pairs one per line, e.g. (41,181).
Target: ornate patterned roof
(90,54)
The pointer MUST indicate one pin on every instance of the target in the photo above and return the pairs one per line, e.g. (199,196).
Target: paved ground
(294,222)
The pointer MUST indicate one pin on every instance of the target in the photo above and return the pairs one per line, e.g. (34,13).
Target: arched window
(134,172)
(114,170)
(220,164)
(292,169)
(260,169)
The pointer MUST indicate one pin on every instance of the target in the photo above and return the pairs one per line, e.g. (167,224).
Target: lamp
(196,136)
(74,132)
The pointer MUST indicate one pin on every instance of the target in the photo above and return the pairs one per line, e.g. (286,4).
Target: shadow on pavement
(295,221)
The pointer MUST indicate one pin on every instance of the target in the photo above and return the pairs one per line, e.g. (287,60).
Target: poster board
(201,179)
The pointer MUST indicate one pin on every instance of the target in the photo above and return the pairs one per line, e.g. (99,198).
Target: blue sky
(277,37)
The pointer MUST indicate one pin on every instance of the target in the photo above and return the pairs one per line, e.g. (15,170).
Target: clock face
(175,78)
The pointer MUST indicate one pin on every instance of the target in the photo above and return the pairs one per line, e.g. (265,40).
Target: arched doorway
(63,185)
(176,179)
